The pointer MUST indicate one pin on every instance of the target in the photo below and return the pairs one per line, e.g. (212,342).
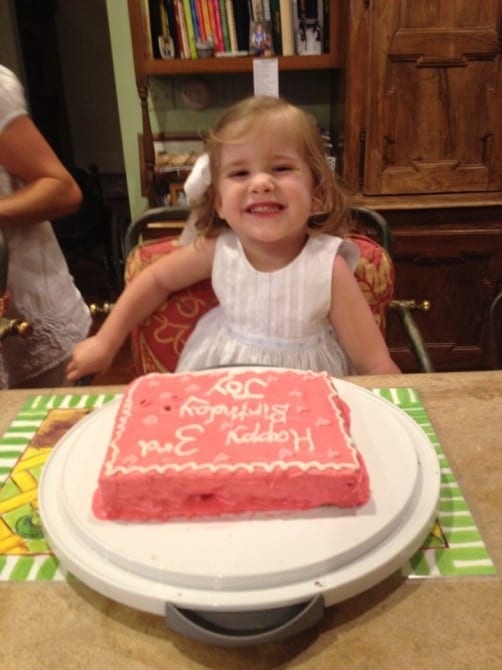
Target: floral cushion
(375,274)
(158,341)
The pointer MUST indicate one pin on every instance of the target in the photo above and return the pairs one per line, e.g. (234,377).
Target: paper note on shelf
(266,76)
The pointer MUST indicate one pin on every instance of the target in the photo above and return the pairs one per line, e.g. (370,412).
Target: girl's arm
(49,190)
(148,290)
(356,326)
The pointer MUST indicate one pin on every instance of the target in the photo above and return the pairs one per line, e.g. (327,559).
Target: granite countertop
(430,623)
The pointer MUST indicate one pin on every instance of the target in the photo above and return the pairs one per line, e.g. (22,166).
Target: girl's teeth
(263,209)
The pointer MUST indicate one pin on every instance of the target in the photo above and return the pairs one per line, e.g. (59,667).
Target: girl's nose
(262,182)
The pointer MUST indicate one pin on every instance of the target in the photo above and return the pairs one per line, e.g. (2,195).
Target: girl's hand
(89,357)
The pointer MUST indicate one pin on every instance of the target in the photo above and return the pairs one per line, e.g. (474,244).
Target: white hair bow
(195,185)
(199,179)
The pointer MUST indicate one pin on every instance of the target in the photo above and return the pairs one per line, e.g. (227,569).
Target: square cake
(237,440)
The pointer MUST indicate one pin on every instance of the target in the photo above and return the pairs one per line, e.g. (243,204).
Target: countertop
(431,623)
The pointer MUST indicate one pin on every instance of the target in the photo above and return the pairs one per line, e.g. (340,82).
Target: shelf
(230,65)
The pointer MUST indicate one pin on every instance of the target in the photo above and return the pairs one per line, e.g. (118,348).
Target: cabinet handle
(99,310)
(413,305)
(15,327)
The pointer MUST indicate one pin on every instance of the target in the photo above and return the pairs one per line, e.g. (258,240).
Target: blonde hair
(332,213)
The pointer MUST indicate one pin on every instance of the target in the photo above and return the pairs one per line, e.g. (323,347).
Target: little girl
(267,225)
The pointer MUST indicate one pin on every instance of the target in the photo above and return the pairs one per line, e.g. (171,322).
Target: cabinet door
(457,267)
(435,97)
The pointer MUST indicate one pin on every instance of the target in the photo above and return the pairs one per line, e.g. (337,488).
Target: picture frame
(260,38)
(175,156)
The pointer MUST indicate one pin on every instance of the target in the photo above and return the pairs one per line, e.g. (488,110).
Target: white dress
(39,284)
(271,318)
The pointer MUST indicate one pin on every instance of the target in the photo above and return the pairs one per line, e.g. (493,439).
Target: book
(324,25)
(182,29)
(195,21)
(206,20)
(308,33)
(298,34)
(241,16)
(266,10)
(288,48)
(214,16)
(190,28)
(171,25)
(202,25)
(275,22)
(147,30)
(224,25)
(155,26)
(232,30)
(165,40)
(257,11)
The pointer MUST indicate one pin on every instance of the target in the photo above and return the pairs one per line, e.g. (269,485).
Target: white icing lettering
(243,435)
(199,408)
(240,390)
(184,435)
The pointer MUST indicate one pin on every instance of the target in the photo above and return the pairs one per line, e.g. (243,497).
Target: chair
(158,342)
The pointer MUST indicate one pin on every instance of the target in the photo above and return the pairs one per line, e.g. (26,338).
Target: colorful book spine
(214,15)
(190,28)
(206,19)
(200,20)
(224,25)
(195,21)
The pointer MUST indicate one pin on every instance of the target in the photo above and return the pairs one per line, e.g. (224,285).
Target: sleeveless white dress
(271,318)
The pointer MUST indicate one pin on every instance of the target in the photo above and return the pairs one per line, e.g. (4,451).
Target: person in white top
(35,187)
(270,220)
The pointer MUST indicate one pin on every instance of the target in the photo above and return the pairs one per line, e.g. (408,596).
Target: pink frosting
(207,443)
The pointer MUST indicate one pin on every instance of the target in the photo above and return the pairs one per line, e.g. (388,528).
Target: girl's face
(264,189)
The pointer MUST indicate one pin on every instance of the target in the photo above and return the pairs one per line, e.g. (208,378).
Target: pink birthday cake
(225,441)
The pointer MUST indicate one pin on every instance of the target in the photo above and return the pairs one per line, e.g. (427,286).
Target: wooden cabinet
(433,101)
(422,144)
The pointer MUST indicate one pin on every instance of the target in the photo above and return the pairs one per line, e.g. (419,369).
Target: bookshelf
(147,66)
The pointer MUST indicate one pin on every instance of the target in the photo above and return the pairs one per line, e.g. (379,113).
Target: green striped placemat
(453,548)
(24,448)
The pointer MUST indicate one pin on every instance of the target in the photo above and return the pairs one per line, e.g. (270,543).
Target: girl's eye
(282,168)
(238,173)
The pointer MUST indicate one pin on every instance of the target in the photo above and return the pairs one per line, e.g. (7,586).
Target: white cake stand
(250,578)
